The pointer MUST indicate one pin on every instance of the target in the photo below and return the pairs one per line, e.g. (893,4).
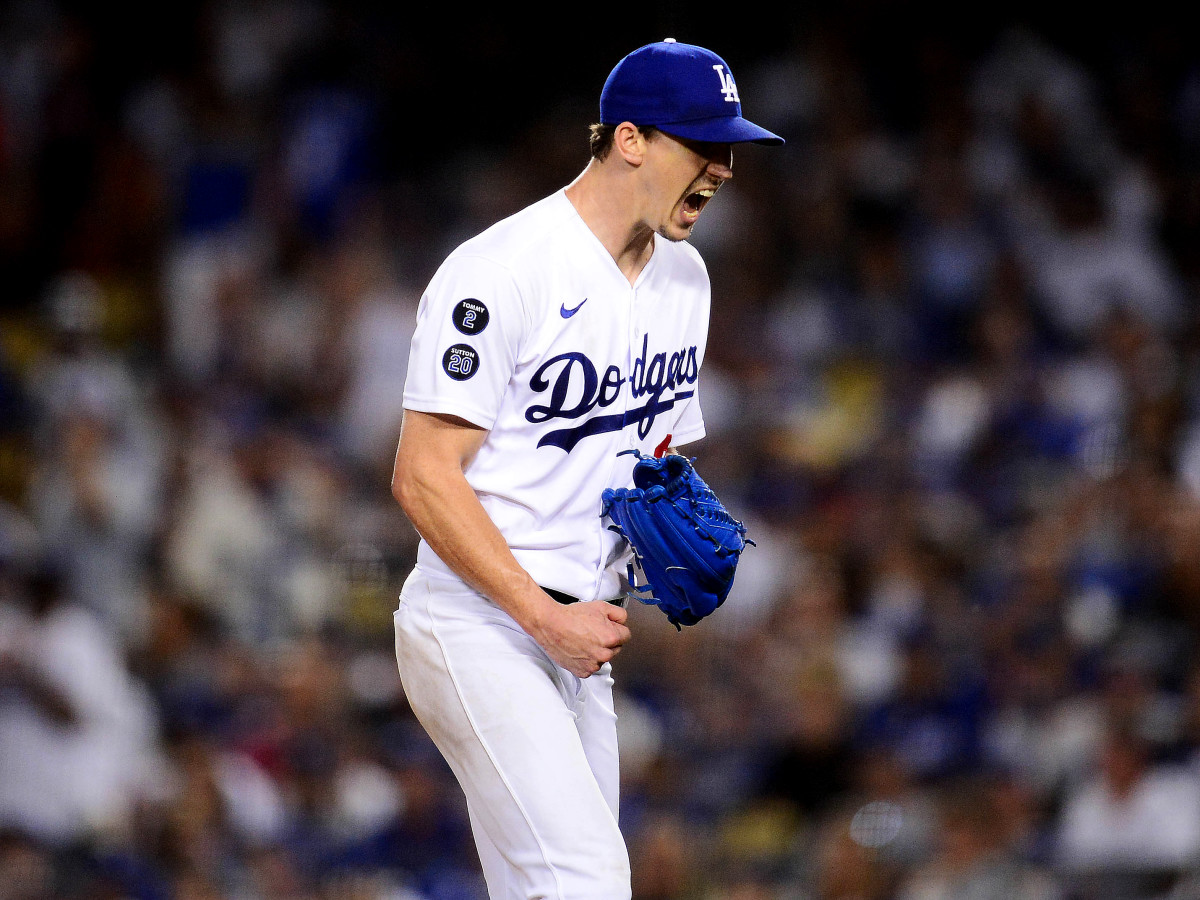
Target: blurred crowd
(953,388)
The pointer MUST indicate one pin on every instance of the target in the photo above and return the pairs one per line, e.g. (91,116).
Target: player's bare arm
(429,483)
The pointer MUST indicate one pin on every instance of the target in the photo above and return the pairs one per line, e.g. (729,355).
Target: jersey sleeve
(470,323)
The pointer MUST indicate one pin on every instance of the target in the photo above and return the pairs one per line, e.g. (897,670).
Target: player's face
(684,177)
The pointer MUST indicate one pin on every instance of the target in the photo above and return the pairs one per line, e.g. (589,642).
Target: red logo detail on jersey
(661,450)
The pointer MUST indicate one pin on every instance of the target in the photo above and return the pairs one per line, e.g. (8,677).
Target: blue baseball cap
(681,89)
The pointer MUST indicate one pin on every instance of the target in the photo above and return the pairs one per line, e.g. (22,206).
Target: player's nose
(720,164)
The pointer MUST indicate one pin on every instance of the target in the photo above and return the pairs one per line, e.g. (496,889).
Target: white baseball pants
(533,746)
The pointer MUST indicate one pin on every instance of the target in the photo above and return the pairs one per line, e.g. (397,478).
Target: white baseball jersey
(530,331)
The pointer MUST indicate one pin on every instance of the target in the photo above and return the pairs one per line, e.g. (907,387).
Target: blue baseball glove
(685,542)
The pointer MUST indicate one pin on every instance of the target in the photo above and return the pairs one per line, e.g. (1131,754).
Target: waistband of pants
(566,599)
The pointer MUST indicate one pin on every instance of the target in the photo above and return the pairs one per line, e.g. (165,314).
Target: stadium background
(952,387)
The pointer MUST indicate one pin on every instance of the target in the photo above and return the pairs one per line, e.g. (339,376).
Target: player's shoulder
(520,236)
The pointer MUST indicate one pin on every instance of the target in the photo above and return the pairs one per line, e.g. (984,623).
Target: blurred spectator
(78,735)
(973,857)
(26,868)
(97,475)
(934,720)
(845,866)
(1132,814)
(892,811)
(664,867)
(378,314)
(226,547)
(812,765)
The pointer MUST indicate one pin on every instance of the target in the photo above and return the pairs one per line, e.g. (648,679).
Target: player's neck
(601,200)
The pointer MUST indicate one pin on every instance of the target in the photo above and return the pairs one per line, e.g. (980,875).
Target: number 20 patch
(460,361)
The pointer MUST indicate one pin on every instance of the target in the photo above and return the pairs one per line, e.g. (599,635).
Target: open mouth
(693,203)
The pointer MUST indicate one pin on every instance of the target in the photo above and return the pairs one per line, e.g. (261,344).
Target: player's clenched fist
(583,636)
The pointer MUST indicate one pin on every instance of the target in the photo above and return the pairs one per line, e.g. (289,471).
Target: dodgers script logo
(572,379)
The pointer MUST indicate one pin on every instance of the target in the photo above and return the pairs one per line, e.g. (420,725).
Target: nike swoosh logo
(567,313)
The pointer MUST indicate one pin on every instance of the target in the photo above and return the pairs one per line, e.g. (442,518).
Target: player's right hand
(581,637)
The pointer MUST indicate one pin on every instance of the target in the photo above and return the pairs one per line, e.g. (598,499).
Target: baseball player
(545,346)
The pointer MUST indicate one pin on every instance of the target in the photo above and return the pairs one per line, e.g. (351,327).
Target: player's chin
(679,229)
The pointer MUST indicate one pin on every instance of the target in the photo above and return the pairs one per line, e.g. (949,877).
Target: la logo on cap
(728,88)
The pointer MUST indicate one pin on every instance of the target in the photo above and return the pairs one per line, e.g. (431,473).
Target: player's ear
(630,143)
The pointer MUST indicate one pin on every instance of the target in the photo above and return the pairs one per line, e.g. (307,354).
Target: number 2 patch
(460,361)
(470,316)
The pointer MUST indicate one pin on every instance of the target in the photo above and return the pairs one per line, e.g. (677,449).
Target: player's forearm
(446,512)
